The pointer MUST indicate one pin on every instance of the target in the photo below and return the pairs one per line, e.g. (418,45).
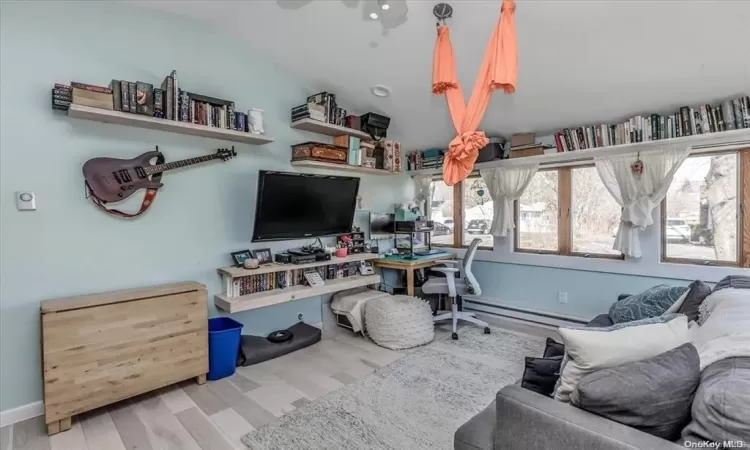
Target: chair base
(457,315)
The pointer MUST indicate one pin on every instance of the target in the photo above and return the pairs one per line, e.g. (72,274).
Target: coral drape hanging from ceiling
(499,70)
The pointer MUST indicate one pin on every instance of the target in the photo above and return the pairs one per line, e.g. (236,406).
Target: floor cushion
(399,321)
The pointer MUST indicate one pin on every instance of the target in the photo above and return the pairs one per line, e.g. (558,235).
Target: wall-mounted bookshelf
(341,167)
(171,126)
(702,143)
(328,129)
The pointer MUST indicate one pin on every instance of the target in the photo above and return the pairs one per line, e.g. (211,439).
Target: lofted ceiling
(580,62)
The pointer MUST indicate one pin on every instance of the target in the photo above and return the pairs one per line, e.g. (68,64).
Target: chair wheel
(454,336)
(486,330)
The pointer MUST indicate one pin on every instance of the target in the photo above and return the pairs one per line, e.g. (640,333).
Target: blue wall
(68,247)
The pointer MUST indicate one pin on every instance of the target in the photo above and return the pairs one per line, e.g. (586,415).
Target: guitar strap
(148,199)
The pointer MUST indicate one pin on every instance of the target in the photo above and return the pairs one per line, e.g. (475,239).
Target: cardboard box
(534,151)
(520,139)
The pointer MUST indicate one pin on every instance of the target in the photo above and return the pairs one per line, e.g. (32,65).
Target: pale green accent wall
(68,247)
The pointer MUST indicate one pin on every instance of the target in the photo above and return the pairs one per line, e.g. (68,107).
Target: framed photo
(240,256)
(263,255)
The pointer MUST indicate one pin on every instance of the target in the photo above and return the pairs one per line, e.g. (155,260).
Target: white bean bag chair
(399,321)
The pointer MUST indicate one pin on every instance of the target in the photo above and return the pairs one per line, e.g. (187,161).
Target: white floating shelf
(276,296)
(702,143)
(341,167)
(172,126)
(236,272)
(329,129)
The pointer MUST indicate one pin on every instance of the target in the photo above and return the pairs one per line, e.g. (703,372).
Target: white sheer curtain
(506,185)
(638,194)
(422,183)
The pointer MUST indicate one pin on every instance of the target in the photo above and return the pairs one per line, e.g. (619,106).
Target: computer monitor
(381,225)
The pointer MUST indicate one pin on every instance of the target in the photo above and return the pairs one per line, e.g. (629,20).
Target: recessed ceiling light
(373,15)
(380,90)
(384,5)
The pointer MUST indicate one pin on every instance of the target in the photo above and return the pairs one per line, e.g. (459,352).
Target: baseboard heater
(523,314)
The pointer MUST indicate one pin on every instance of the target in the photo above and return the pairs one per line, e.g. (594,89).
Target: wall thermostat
(25,201)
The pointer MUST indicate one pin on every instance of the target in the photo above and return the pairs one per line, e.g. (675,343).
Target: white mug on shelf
(255,120)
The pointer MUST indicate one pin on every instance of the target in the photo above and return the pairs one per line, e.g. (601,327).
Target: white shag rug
(414,403)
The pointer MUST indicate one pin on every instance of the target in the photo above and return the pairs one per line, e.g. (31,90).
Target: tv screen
(294,206)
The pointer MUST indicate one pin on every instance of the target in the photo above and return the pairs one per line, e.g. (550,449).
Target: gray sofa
(520,419)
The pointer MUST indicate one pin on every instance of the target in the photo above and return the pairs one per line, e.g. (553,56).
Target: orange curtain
(499,70)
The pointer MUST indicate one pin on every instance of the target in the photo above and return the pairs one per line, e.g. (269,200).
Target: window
(595,215)
(441,211)
(567,211)
(478,211)
(701,221)
(537,212)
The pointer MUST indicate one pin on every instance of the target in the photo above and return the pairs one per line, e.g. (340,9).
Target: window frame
(564,219)
(458,215)
(743,219)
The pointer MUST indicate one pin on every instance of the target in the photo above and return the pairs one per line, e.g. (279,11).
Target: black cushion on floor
(256,349)
(553,348)
(541,374)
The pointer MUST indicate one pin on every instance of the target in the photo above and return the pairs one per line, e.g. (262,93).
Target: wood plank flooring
(216,415)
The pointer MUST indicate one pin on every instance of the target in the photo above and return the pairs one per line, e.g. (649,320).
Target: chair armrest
(445,270)
(450,278)
(527,420)
(447,261)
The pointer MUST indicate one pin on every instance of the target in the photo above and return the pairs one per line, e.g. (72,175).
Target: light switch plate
(25,201)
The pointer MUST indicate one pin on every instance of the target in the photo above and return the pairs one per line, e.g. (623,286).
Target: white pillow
(591,349)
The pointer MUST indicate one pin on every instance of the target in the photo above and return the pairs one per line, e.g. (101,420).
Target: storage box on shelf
(278,283)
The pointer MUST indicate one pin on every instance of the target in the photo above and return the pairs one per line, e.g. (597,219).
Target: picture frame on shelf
(263,255)
(240,256)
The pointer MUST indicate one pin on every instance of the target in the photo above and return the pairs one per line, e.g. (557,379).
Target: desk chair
(452,287)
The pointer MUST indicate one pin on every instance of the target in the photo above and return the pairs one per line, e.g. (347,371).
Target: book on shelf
(686,121)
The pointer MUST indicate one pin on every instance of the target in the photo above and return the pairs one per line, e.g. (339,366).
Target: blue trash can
(223,346)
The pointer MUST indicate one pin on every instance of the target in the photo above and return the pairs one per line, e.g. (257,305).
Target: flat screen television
(296,206)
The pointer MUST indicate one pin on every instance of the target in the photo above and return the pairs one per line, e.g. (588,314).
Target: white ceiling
(579,61)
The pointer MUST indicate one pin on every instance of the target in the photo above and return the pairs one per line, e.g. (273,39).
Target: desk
(398,262)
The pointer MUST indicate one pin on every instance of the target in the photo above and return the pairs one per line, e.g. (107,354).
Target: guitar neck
(157,168)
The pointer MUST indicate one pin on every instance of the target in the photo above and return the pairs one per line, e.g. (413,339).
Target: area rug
(414,403)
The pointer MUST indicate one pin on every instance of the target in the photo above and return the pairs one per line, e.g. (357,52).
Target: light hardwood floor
(216,415)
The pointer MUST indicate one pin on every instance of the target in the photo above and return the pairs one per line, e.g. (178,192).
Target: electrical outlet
(300,317)
(562,297)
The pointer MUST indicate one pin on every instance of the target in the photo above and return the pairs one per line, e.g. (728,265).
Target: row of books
(425,159)
(166,102)
(688,121)
(279,280)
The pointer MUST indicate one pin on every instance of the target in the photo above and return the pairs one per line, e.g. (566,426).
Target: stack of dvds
(308,111)
(426,159)
(61,97)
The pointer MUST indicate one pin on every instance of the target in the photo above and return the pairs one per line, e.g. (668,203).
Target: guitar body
(113,179)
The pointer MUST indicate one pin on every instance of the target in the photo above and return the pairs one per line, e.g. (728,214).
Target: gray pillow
(697,292)
(649,303)
(721,408)
(733,281)
(652,395)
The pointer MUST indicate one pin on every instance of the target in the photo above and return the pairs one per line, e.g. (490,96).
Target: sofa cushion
(697,292)
(553,348)
(479,432)
(721,408)
(590,349)
(652,395)
(541,374)
(649,303)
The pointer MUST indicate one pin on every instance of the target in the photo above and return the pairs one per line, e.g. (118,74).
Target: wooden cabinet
(102,348)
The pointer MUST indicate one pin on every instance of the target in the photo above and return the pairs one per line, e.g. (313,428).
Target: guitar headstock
(226,154)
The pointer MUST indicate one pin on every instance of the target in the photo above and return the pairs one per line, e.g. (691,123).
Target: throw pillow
(591,349)
(721,407)
(541,374)
(652,395)
(553,348)
(697,292)
(733,281)
(649,303)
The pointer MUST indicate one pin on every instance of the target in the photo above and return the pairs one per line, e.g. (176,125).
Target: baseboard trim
(524,314)
(21,413)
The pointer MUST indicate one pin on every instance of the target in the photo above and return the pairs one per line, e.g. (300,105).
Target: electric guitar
(113,179)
